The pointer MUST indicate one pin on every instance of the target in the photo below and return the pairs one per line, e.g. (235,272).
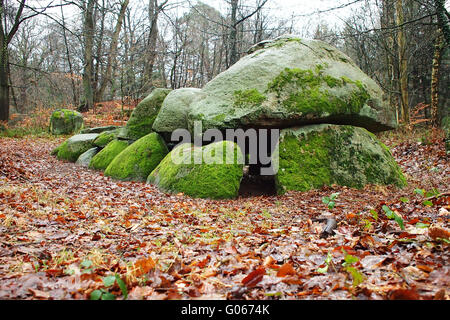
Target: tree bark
(4,85)
(233,33)
(113,52)
(443,20)
(403,64)
(153,13)
(87,100)
(435,80)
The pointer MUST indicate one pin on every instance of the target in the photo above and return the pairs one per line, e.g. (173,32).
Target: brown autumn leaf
(143,266)
(436,232)
(254,277)
(39,294)
(286,270)
(404,294)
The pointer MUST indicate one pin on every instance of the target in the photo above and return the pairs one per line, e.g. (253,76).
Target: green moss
(248,98)
(76,145)
(304,163)
(281,42)
(139,159)
(102,159)
(63,153)
(143,116)
(219,118)
(309,92)
(65,121)
(105,137)
(329,154)
(191,173)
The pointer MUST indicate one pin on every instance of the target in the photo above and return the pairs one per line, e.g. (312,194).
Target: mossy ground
(139,159)
(102,159)
(201,179)
(342,155)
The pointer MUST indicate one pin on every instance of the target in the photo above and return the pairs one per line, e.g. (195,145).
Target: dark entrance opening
(257,185)
(259,178)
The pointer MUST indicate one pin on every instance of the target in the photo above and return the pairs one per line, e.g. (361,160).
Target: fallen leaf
(254,277)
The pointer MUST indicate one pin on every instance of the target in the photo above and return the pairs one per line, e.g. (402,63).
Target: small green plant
(330,201)
(404,199)
(348,265)
(109,281)
(327,264)
(392,215)
(86,266)
(374,214)
(266,214)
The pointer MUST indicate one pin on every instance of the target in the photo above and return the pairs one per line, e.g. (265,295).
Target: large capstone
(174,110)
(64,121)
(73,147)
(139,159)
(143,116)
(314,156)
(292,82)
(214,171)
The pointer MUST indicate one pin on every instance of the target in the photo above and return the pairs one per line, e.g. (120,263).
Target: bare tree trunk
(435,80)
(69,60)
(87,101)
(4,86)
(153,11)
(112,53)
(233,33)
(403,64)
(387,21)
(5,38)
(443,19)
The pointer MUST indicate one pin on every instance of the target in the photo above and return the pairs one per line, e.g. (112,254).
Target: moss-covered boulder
(174,110)
(64,121)
(214,171)
(292,82)
(317,155)
(73,147)
(106,137)
(99,129)
(143,116)
(102,159)
(85,158)
(139,159)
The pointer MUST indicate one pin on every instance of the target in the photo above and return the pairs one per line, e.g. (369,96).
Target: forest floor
(70,233)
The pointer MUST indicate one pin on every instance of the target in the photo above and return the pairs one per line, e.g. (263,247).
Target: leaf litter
(67,232)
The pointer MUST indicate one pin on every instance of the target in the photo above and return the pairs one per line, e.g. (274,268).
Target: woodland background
(80,53)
